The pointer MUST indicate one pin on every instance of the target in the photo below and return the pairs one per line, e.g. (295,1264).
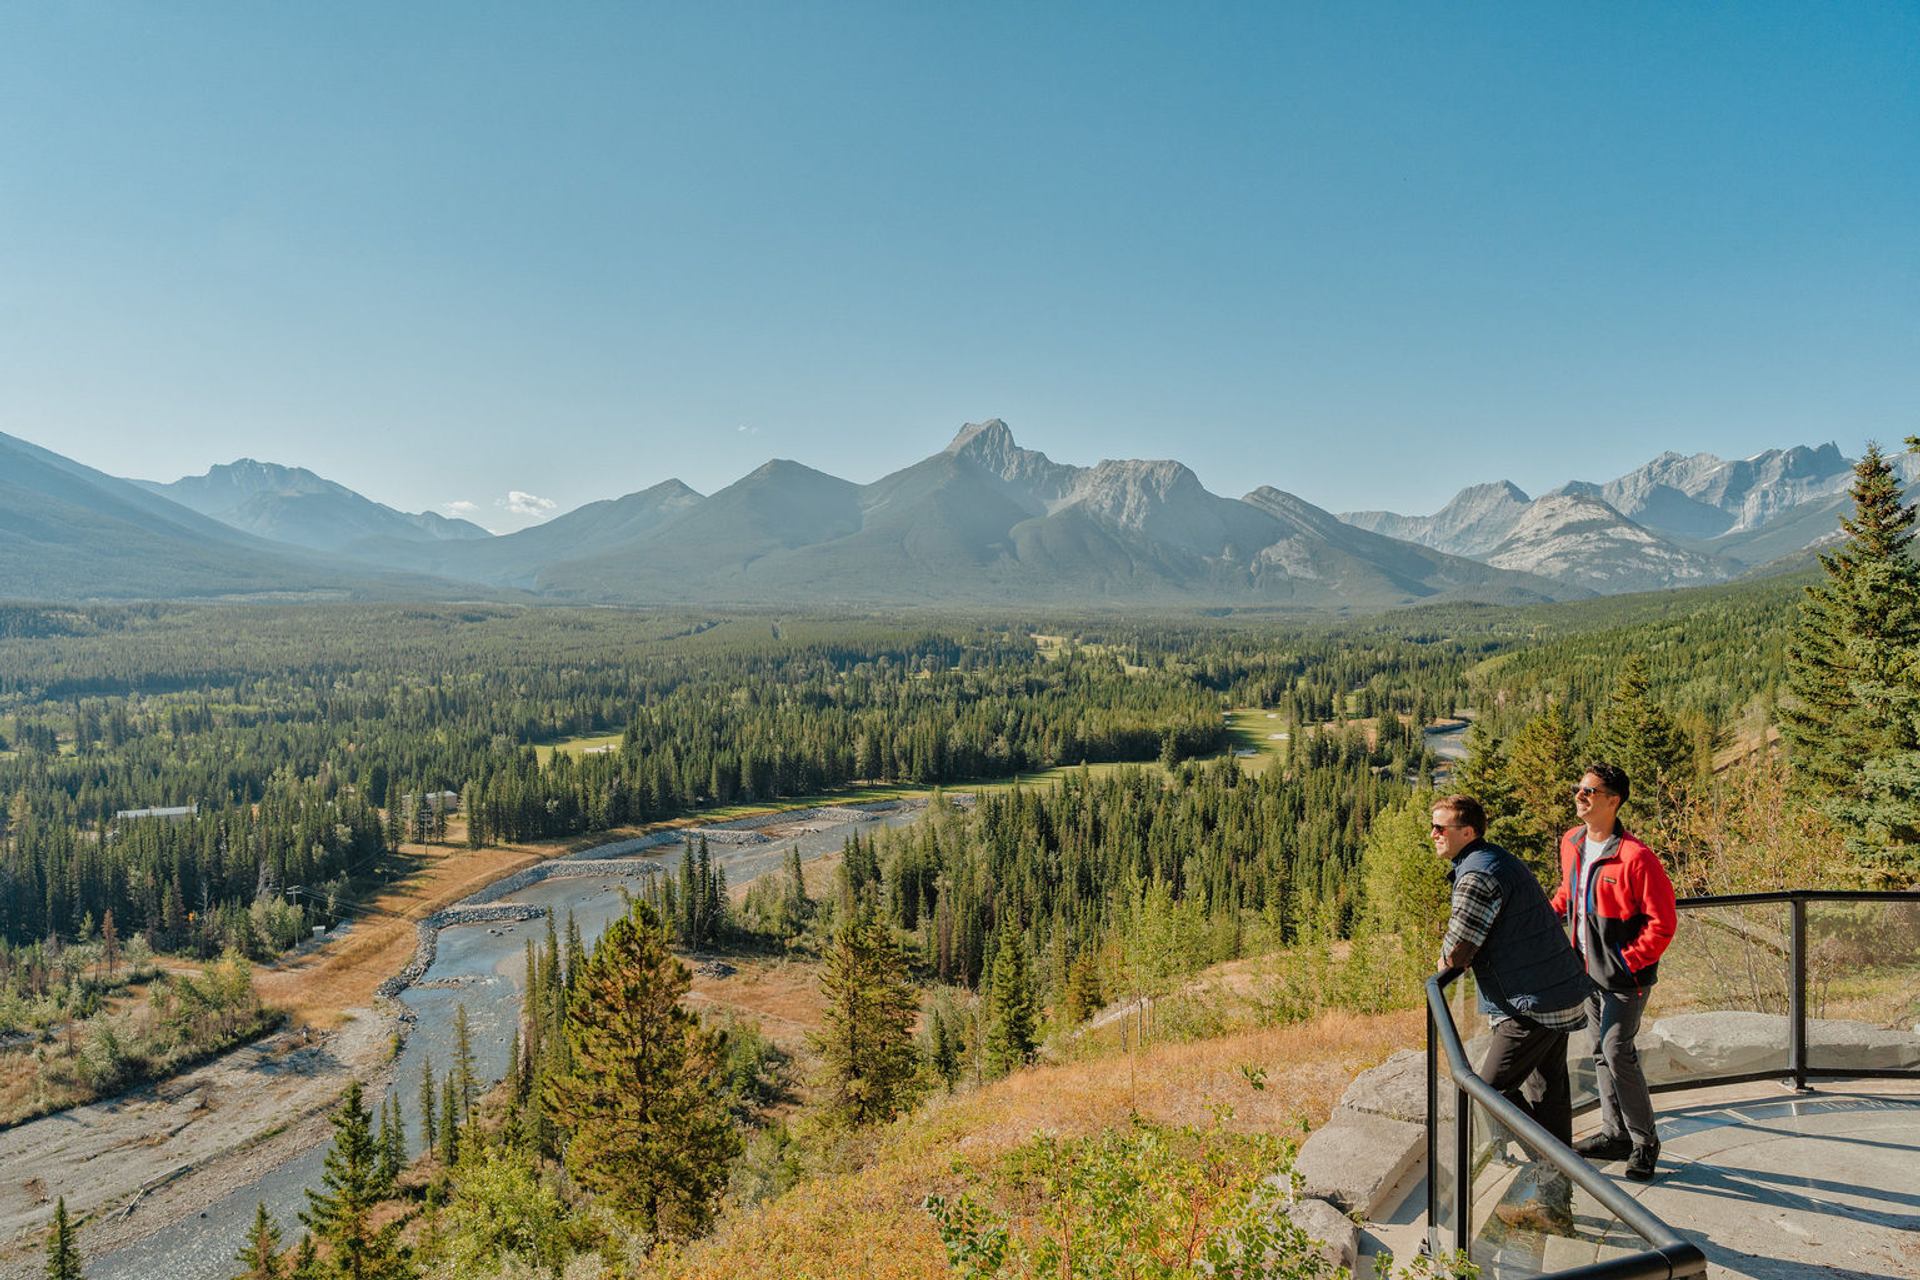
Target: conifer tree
(465,1083)
(306,1261)
(1540,773)
(644,1127)
(1010,1023)
(393,1144)
(429,1107)
(1485,775)
(866,1037)
(386,1172)
(1852,720)
(261,1254)
(63,1246)
(449,1121)
(1636,733)
(341,1212)
(944,1048)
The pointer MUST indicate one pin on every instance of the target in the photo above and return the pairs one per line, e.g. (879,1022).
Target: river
(483,968)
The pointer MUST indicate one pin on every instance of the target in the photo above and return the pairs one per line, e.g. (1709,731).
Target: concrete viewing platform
(1770,1183)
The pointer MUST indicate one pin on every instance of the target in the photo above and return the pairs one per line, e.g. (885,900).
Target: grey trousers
(1626,1108)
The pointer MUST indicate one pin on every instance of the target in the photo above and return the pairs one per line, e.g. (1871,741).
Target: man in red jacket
(1620,902)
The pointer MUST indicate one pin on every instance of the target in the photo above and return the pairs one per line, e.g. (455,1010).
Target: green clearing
(866,793)
(1252,729)
(1054,648)
(577,747)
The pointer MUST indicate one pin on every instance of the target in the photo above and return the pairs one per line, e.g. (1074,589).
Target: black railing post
(1797,993)
(1433,1136)
(1462,1168)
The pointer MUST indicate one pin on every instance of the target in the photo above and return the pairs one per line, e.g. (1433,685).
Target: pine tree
(261,1254)
(429,1107)
(1636,733)
(1852,720)
(306,1261)
(466,1084)
(341,1213)
(644,1128)
(393,1144)
(63,1246)
(866,1038)
(1010,1022)
(1485,776)
(449,1121)
(1540,772)
(385,1171)
(944,1048)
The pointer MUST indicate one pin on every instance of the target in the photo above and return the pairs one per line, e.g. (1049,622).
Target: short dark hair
(1466,811)
(1613,777)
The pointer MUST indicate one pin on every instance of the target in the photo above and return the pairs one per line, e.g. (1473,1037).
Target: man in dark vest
(1532,988)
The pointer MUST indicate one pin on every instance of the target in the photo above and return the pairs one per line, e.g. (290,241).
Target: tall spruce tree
(644,1127)
(1540,773)
(341,1213)
(1852,720)
(63,1245)
(865,1042)
(261,1254)
(1010,1024)
(465,1083)
(429,1107)
(1635,732)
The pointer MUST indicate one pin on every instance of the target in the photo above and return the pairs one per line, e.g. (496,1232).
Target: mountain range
(1676,521)
(981,521)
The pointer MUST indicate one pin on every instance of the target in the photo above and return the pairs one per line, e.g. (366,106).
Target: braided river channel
(481,967)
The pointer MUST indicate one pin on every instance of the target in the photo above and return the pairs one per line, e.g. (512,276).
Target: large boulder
(1731,1042)
(1844,1045)
(1356,1159)
(1397,1089)
(1333,1231)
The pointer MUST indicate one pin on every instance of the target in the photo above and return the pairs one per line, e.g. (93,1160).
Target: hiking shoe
(1641,1164)
(1604,1146)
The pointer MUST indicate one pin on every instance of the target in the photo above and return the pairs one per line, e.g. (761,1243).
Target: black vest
(1526,965)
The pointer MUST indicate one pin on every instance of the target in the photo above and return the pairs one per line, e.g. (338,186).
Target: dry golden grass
(867,1221)
(783,995)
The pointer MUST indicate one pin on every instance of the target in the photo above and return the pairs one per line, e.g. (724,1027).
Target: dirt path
(133,1164)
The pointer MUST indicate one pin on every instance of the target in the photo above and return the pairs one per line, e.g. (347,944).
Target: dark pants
(1626,1107)
(1526,1053)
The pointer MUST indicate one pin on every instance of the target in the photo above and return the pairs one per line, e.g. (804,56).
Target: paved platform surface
(1772,1184)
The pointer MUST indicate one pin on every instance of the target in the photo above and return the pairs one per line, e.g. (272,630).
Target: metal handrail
(1670,1254)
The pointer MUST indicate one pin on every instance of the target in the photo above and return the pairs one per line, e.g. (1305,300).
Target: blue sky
(1366,253)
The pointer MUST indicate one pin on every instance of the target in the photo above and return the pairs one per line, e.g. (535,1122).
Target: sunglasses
(1591,791)
(1439,827)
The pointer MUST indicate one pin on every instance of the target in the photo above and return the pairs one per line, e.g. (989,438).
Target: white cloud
(528,506)
(460,509)
(746,430)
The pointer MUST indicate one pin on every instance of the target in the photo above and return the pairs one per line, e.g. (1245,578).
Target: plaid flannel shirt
(1476,904)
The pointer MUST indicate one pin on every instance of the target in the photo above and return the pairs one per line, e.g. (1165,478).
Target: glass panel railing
(1863,985)
(1529,1217)
(1721,1005)
(1444,1202)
